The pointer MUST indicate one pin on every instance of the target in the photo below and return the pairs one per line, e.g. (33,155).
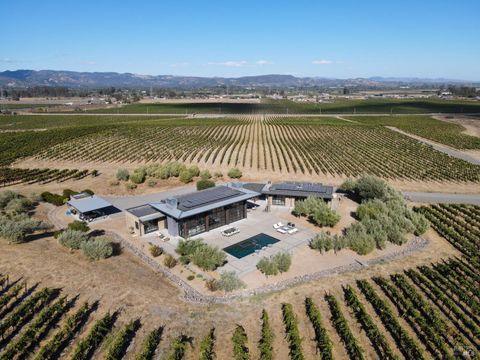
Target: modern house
(193,213)
(286,193)
(197,212)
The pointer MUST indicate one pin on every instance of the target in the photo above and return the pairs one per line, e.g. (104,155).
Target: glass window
(216,218)
(236,212)
(150,226)
(278,200)
(192,226)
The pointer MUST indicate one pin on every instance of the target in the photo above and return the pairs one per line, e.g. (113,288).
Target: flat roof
(202,201)
(299,189)
(145,212)
(87,204)
(257,187)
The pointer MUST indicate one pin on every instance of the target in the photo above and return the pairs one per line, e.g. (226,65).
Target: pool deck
(258,221)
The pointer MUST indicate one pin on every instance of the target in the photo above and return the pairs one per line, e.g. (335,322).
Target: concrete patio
(257,221)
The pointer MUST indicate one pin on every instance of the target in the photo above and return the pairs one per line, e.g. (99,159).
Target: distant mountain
(73,79)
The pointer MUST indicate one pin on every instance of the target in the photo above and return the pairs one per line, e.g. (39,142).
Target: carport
(89,207)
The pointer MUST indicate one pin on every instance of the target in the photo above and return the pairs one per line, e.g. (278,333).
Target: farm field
(379,106)
(311,147)
(427,311)
(427,127)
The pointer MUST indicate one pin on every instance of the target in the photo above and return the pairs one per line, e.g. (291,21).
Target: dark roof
(299,189)
(206,197)
(204,200)
(143,210)
(257,187)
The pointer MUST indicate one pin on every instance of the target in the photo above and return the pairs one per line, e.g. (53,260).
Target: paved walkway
(440,147)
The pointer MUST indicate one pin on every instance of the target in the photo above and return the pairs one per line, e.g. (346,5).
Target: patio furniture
(293,231)
(230,231)
(282,230)
(278,225)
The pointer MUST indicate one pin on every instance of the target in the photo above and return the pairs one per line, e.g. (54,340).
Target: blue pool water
(248,246)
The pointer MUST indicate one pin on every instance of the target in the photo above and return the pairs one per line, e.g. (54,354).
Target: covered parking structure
(89,207)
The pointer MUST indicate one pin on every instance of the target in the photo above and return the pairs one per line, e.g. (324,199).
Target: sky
(336,39)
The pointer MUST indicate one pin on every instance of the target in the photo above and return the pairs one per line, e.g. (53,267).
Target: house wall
(172,226)
(130,220)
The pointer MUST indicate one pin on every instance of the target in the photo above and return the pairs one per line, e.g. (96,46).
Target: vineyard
(427,312)
(13,176)
(386,106)
(310,146)
(426,127)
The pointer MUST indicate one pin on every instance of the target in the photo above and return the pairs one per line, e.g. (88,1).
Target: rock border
(192,295)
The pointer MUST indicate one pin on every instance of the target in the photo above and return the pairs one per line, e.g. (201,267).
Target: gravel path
(440,147)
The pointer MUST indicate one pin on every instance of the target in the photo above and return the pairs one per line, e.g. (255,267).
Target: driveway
(435,198)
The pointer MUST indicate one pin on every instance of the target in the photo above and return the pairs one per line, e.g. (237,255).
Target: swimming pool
(248,246)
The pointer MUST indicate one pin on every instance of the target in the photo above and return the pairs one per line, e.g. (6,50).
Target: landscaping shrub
(67,193)
(122,175)
(190,277)
(205,174)
(194,170)
(218,174)
(97,248)
(185,176)
(78,225)
(277,263)
(208,257)
(229,281)
(88,191)
(151,183)
(72,239)
(18,205)
(234,173)
(16,228)
(138,176)
(114,182)
(130,186)
(317,210)
(5,197)
(55,199)
(211,284)
(169,261)
(156,250)
(187,247)
(359,240)
(205,184)
(204,256)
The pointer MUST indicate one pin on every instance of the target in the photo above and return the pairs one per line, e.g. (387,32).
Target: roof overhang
(88,204)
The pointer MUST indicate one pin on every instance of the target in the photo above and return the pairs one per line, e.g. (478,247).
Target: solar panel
(206,197)
(308,187)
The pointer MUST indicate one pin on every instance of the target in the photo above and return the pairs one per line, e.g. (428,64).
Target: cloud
(89,62)
(8,61)
(322,62)
(230,63)
(264,62)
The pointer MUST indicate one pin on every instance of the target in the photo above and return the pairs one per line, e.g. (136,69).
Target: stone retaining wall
(192,295)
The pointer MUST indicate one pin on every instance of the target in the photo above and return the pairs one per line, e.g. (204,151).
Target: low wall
(192,295)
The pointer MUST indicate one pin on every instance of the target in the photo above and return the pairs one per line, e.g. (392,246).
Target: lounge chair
(278,225)
(282,230)
(293,231)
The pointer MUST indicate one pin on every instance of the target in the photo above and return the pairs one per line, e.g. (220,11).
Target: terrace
(260,222)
